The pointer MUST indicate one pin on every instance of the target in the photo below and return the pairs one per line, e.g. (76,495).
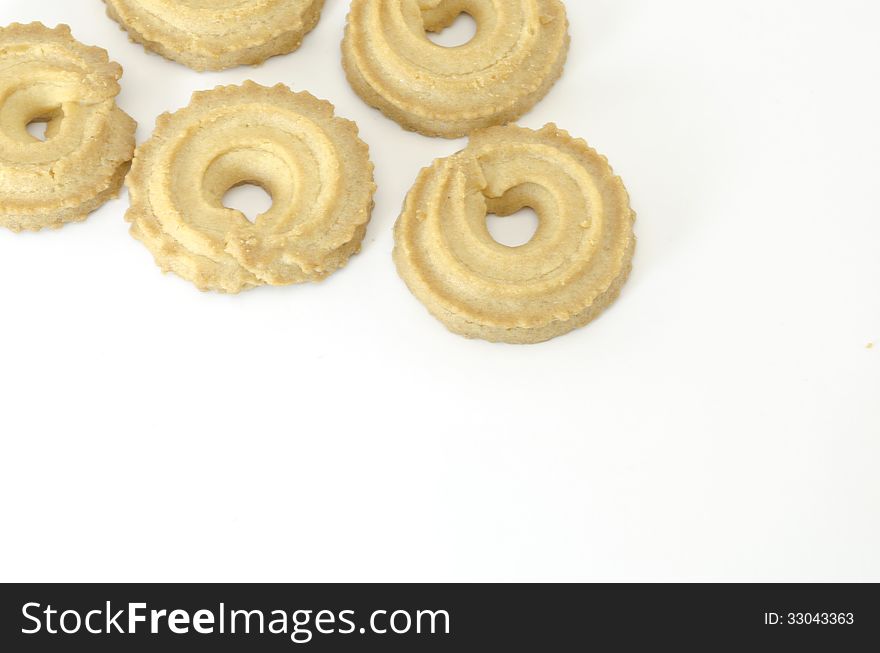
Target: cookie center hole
(37,128)
(461,31)
(514,230)
(45,123)
(249,198)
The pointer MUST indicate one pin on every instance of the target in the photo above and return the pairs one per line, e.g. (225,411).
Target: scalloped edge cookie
(67,187)
(250,254)
(214,49)
(432,96)
(518,301)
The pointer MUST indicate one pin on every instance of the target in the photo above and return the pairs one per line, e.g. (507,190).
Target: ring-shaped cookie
(571,270)
(48,76)
(312,163)
(514,59)
(217,34)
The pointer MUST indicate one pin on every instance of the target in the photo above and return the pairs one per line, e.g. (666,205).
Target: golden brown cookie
(564,277)
(312,163)
(48,76)
(517,55)
(217,34)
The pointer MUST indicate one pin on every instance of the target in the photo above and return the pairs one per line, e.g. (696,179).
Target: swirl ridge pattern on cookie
(571,270)
(312,163)
(48,76)
(514,59)
(217,34)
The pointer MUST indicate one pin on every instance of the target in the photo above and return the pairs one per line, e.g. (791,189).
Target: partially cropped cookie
(571,270)
(48,76)
(314,166)
(218,34)
(514,59)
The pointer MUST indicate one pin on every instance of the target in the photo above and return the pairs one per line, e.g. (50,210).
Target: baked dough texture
(217,34)
(571,270)
(48,76)
(313,164)
(514,59)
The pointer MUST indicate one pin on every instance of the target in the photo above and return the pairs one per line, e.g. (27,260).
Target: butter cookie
(313,165)
(571,270)
(514,59)
(48,76)
(217,34)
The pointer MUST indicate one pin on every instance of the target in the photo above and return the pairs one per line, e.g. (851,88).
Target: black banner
(223,617)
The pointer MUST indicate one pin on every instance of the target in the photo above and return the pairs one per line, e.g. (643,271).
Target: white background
(720,422)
